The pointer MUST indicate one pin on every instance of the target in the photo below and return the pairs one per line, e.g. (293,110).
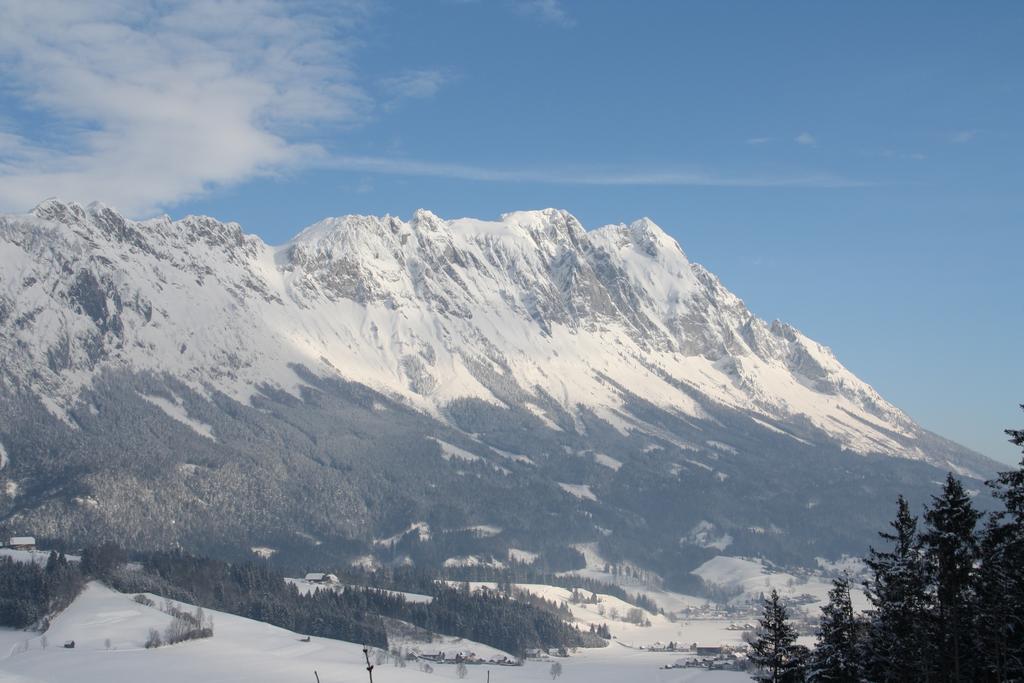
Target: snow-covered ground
(597,568)
(688,619)
(37,556)
(749,578)
(612,611)
(472,561)
(525,556)
(581,491)
(175,410)
(742,579)
(244,651)
(421,528)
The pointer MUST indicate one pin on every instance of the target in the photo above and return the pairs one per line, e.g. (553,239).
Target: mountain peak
(58,210)
(556,226)
(426,219)
(649,235)
(528,216)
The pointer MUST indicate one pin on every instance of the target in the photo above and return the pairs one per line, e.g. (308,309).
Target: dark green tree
(1000,578)
(951,549)
(836,656)
(30,594)
(774,653)
(100,560)
(897,646)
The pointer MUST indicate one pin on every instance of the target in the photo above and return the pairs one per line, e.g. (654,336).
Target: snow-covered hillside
(531,310)
(109,630)
(431,391)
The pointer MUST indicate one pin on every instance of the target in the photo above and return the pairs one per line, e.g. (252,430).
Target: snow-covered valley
(246,650)
(110,630)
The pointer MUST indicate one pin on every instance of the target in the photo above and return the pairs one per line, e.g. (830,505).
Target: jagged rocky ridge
(367,350)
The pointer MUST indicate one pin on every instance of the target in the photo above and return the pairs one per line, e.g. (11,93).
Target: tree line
(946,600)
(256,591)
(30,593)
(506,576)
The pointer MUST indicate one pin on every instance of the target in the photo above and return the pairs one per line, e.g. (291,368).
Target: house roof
(22,540)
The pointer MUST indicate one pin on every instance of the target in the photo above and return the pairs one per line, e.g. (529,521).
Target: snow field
(242,651)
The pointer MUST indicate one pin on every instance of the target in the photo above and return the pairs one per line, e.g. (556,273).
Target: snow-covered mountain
(612,328)
(531,308)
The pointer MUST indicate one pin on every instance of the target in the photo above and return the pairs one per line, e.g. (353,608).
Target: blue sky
(851,168)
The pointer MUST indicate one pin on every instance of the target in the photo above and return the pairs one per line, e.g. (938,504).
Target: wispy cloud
(758,141)
(415,84)
(805,138)
(583,176)
(549,11)
(963,136)
(895,154)
(147,103)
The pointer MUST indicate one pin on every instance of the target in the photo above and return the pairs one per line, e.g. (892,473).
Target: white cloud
(804,138)
(550,11)
(147,103)
(963,136)
(580,176)
(758,141)
(144,104)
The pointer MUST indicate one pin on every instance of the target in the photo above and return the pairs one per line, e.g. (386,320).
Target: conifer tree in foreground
(836,656)
(951,549)
(947,605)
(898,647)
(1000,583)
(774,653)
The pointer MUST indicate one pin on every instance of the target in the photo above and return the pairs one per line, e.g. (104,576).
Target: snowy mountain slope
(179,382)
(530,310)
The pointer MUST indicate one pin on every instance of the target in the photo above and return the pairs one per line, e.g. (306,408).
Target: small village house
(22,543)
(321,577)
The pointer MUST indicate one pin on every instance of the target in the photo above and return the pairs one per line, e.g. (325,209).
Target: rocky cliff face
(586,332)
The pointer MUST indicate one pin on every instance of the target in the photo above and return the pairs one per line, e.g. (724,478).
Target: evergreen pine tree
(836,656)
(897,646)
(774,653)
(1000,622)
(1000,583)
(951,548)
